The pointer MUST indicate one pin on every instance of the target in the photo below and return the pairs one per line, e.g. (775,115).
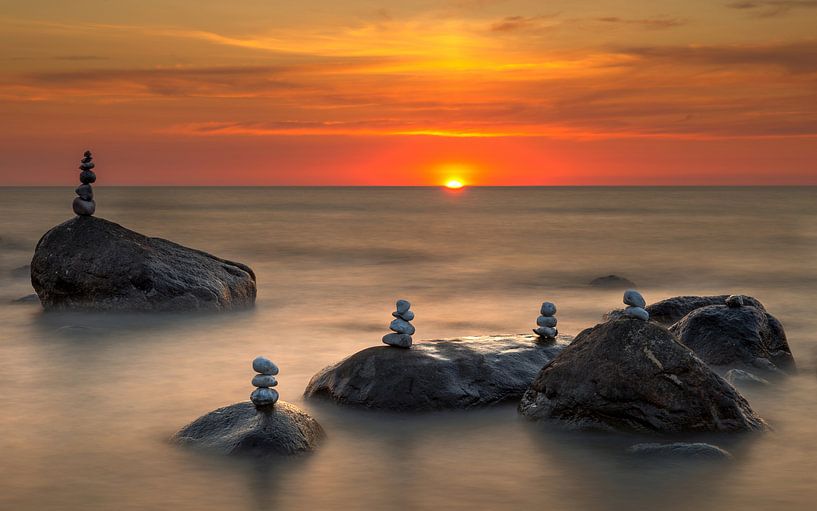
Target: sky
(332,92)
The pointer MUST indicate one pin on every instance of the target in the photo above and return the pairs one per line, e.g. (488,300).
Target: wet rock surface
(244,429)
(89,263)
(633,375)
(669,311)
(746,336)
(436,375)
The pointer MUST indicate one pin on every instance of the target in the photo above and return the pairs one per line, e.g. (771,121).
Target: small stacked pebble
(263,395)
(84,205)
(734,301)
(546,322)
(403,330)
(635,305)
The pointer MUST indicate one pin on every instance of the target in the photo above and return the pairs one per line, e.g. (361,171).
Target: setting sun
(454,184)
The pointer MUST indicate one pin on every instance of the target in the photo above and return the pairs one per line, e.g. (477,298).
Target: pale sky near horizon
(363,92)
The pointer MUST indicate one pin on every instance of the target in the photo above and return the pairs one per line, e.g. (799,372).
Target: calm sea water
(89,401)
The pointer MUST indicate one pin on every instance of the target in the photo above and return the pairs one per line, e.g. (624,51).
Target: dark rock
(734,301)
(85,192)
(397,340)
(680,450)
(613,282)
(21,271)
(436,375)
(88,263)
(243,429)
(741,378)
(87,177)
(671,310)
(84,207)
(736,337)
(32,298)
(633,375)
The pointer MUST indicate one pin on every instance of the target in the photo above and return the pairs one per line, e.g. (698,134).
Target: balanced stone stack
(264,395)
(635,305)
(546,322)
(84,205)
(400,326)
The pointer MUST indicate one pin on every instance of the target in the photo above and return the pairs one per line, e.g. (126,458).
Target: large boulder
(245,429)
(92,264)
(671,310)
(633,375)
(436,375)
(742,337)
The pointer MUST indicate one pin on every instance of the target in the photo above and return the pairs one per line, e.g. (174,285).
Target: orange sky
(410,93)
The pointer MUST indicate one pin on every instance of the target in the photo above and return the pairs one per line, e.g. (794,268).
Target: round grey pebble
(548,309)
(264,380)
(637,312)
(548,321)
(398,340)
(407,316)
(634,298)
(84,207)
(264,365)
(264,397)
(734,301)
(402,327)
(402,306)
(87,177)
(546,331)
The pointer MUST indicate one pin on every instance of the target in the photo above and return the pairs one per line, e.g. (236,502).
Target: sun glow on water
(454,184)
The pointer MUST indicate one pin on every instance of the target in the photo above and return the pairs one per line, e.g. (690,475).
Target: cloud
(518,23)
(652,23)
(771,8)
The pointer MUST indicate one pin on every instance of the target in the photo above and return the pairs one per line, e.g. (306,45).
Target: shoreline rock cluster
(264,394)
(546,322)
(401,328)
(84,204)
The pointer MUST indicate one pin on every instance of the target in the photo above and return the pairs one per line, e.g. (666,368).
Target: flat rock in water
(612,282)
(437,375)
(633,375)
(742,337)
(89,263)
(243,429)
(742,378)
(679,450)
(32,298)
(671,310)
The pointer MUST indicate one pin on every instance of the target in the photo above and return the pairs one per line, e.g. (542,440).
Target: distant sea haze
(90,400)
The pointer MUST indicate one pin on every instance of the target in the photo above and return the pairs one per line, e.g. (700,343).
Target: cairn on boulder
(255,428)
(635,305)
(546,322)
(401,329)
(84,204)
(264,394)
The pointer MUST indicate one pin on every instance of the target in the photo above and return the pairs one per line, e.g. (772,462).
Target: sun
(454,184)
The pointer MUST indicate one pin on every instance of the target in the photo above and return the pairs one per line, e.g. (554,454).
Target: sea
(88,402)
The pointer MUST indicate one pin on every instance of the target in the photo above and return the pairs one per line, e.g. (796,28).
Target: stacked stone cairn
(264,395)
(635,305)
(546,322)
(84,205)
(401,329)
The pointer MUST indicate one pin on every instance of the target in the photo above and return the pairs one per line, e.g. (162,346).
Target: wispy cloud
(771,8)
(651,23)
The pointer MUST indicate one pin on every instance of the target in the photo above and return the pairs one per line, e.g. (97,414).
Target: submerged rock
(613,282)
(89,263)
(680,450)
(724,336)
(633,375)
(32,298)
(671,310)
(739,377)
(436,375)
(243,428)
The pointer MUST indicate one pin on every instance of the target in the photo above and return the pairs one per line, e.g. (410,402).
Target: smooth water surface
(89,401)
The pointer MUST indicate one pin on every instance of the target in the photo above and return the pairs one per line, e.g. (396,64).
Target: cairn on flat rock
(635,305)
(84,204)
(546,322)
(400,326)
(264,395)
